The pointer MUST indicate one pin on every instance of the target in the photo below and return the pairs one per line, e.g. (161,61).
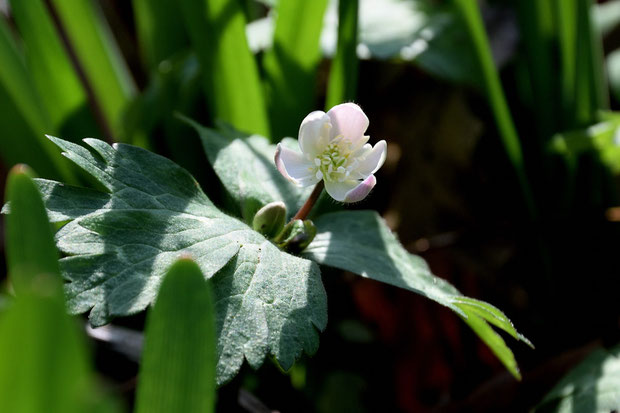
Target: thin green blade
(44,365)
(30,244)
(290,66)
(100,57)
(178,365)
(62,95)
(343,73)
(23,119)
(230,74)
(473,21)
(159,25)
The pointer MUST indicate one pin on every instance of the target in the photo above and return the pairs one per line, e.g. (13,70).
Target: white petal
(373,160)
(314,133)
(348,120)
(360,143)
(294,167)
(350,191)
(362,151)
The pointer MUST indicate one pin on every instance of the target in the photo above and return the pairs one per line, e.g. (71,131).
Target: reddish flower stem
(307,206)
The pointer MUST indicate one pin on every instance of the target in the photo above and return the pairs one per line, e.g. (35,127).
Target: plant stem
(307,206)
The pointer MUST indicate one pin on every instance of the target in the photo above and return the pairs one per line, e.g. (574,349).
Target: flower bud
(269,220)
(296,236)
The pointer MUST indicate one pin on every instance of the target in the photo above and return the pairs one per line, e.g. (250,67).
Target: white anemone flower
(334,149)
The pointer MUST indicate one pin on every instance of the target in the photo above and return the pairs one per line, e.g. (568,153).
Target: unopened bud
(269,220)
(296,235)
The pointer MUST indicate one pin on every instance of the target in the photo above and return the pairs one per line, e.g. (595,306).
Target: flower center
(333,163)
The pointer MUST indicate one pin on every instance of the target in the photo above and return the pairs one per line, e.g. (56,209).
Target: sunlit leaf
(120,243)
(591,387)
(361,242)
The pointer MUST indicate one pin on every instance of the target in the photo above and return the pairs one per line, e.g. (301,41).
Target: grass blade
(492,85)
(30,246)
(538,31)
(160,30)
(229,71)
(100,57)
(178,364)
(44,368)
(342,85)
(582,75)
(24,122)
(62,95)
(47,368)
(291,65)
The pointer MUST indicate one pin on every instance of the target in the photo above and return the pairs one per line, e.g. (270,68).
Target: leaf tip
(22,169)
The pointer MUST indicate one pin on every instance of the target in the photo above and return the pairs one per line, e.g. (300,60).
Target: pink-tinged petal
(362,190)
(314,133)
(294,167)
(351,190)
(348,120)
(373,160)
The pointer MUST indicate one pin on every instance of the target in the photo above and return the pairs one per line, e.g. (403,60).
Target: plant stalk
(307,206)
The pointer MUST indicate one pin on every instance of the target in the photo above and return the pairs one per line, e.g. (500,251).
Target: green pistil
(330,160)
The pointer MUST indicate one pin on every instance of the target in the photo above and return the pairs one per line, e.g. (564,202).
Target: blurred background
(502,168)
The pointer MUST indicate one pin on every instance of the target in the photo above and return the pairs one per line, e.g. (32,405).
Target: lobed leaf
(120,243)
(361,242)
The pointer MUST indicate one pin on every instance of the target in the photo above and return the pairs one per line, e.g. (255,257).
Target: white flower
(334,149)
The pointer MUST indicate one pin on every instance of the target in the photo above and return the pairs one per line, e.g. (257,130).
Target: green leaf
(177,372)
(583,87)
(30,246)
(342,85)
(119,245)
(246,167)
(99,55)
(600,139)
(47,367)
(23,119)
(159,25)
(613,72)
(360,242)
(591,387)
(229,71)
(61,92)
(418,31)
(291,64)
(606,16)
